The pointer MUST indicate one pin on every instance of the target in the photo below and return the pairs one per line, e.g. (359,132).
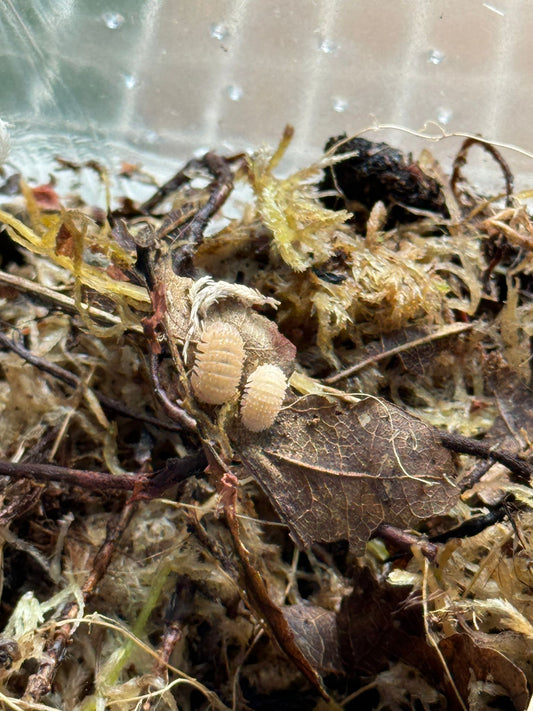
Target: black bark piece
(379,172)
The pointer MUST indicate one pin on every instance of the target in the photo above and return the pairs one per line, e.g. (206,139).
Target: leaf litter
(397,305)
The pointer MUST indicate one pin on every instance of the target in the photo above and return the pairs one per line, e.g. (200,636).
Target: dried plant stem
(75,477)
(143,486)
(40,683)
(460,161)
(466,445)
(253,583)
(74,381)
(415,343)
(66,303)
(405,541)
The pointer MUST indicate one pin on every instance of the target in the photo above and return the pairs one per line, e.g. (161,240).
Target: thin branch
(441,333)
(95,481)
(466,445)
(76,382)
(66,303)
(144,486)
(403,540)
(460,161)
(173,410)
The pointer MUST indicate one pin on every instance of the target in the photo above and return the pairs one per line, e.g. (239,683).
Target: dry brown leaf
(338,470)
(470,665)
(315,632)
(375,627)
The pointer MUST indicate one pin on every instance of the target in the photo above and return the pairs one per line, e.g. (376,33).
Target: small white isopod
(218,363)
(263,397)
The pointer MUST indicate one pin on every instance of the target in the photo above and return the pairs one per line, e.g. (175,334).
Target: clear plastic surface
(159,80)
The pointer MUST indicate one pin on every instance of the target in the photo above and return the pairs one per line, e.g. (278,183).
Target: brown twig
(40,683)
(403,540)
(76,382)
(99,481)
(460,161)
(179,608)
(466,445)
(182,177)
(441,333)
(172,409)
(144,486)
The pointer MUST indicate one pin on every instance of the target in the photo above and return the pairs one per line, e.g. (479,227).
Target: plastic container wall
(158,80)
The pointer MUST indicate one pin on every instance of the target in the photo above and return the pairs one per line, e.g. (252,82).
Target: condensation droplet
(151,137)
(339,104)
(326,45)
(113,20)
(234,92)
(435,56)
(218,31)
(444,115)
(130,80)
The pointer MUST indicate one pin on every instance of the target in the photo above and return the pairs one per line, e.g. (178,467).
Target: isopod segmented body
(218,363)
(263,397)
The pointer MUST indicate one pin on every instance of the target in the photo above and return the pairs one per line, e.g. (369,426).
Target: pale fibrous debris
(263,397)
(218,364)
(206,292)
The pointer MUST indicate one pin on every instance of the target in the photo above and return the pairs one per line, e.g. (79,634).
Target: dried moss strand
(75,382)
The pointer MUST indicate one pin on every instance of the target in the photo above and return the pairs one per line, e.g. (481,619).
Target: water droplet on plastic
(219,31)
(113,20)
(130,80)
(435,56)
(326,45)
(234,92)
(444,115)
(151,137)
(339,104)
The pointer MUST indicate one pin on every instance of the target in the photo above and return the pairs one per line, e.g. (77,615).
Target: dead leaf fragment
(338,470)
(376,626)
(475,669)
(315,632)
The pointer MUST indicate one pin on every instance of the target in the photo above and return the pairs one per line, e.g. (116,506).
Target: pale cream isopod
(218,363)
(263,397)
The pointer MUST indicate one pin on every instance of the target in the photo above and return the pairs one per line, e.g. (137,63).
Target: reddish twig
(144,486)
(176,614)
(404,540)
(76,477)
(172,409)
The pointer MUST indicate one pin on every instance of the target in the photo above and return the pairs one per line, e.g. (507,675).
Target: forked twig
(466,445)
